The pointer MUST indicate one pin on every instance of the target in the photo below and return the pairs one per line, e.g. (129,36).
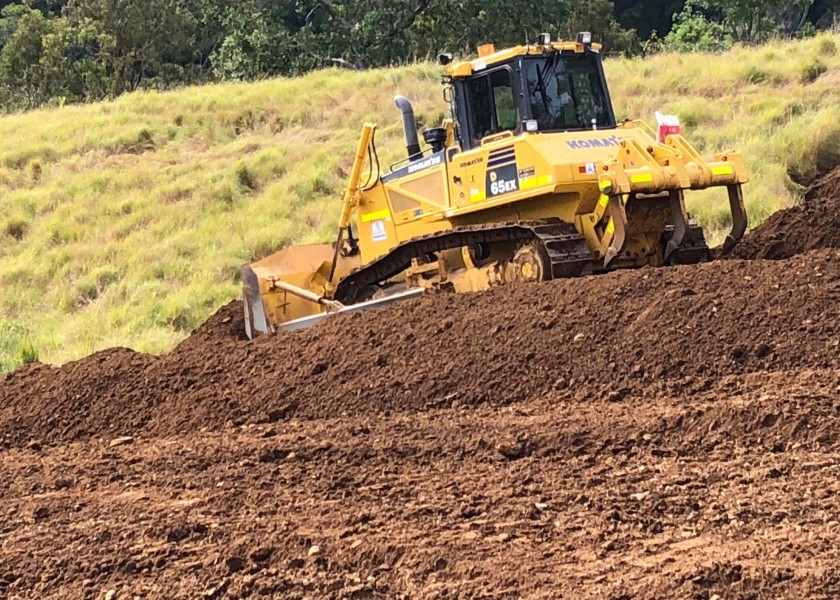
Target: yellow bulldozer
(531,179)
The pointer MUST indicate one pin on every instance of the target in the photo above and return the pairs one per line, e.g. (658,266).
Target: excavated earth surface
(811,225)
(663,433)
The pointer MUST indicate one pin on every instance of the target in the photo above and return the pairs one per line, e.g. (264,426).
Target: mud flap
(680,218)
(255,319)
(739,218)
(618,223)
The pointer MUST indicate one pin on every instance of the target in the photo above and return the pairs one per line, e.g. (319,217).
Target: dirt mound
(622,335)
(663,433)
(225,325)
(811,225)
(720,493)
(80,399)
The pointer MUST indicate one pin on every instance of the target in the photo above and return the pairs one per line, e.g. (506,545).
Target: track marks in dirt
(644,499)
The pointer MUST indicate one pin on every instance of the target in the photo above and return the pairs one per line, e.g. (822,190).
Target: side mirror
(444,59)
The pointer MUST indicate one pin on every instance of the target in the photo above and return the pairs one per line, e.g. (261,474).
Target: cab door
(489,120)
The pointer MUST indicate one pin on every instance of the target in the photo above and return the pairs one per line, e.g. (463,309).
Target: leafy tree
(290,37)
(24,78)
(76,50)
(755,21)
(98,48)
(252,46)
(246,39)
(462,25)
(361,33)
(140,41)
(597,17)
(710,25)
(647,16)
(825,14)
(694,32)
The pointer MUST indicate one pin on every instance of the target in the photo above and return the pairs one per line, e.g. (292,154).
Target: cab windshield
(567,93)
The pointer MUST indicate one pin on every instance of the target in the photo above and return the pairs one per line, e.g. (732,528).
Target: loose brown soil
(663,433)
(813,224)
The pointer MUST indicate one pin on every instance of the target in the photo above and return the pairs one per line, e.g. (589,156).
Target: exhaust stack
(412,142)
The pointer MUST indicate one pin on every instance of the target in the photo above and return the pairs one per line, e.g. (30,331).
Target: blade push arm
(351,193)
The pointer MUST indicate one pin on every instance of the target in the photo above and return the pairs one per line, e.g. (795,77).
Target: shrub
(827,47)
(811,71)
(16,227)
(244,177)
(756,75)
(36,171)
(145,141)
(693,32)
(28,354)
(15,348)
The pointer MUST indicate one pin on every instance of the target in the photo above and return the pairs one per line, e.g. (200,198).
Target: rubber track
(566,249)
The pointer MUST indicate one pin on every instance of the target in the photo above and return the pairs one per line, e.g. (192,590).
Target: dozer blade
(680,218)
(618,223)
(739,218)
(255,319)
(267,301)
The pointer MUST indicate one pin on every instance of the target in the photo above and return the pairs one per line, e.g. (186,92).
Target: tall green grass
(125,223)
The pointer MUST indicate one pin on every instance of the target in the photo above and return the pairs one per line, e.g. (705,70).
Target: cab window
(567,93)
(492,104)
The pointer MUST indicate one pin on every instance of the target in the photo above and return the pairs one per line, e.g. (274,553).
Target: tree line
(62,51)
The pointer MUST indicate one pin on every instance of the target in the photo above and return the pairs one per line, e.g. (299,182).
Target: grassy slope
(134,215)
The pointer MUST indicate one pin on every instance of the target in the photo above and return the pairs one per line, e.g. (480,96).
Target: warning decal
(378,231)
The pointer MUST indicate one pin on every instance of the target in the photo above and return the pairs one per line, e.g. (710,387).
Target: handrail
(644,125)
(408,160)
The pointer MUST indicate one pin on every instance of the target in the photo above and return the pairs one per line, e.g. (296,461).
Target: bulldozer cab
(558,89)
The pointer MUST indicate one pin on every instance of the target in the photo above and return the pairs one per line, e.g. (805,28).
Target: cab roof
(489,56)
